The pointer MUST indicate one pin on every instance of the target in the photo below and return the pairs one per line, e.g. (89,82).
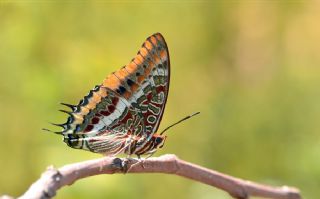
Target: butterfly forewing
(130,101)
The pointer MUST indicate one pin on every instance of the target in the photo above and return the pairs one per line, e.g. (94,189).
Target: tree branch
(53,179)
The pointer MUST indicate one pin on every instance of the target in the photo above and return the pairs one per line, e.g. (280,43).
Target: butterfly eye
(158,140)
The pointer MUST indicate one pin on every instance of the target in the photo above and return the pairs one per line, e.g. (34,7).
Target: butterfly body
(122,115)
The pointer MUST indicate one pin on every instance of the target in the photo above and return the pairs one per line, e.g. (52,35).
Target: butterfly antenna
(56,132)
(183,119)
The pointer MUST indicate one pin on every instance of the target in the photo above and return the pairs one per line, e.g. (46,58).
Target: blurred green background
(251,69)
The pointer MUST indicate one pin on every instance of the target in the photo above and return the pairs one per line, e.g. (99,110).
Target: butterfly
(123,114)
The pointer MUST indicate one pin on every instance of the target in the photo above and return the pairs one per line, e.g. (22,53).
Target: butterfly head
(159,141)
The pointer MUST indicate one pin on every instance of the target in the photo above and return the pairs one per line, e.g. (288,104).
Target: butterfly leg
(150,153)
(139,161)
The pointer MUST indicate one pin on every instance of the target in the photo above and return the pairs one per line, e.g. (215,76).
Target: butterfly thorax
(141,145)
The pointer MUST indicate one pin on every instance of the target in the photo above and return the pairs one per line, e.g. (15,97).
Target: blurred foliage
(251,68)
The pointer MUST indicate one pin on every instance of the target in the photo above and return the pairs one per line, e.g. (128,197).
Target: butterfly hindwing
(130,101)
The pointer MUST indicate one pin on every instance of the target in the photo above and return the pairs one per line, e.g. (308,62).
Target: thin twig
(53,179)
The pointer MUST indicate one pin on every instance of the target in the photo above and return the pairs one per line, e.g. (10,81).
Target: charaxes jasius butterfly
(122,115)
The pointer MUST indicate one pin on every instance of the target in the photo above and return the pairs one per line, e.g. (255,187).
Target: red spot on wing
(105,113)
(115,101)
(111,108)
(88,128)
(160,89)
(149,96)
(128,116)
(95,120)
